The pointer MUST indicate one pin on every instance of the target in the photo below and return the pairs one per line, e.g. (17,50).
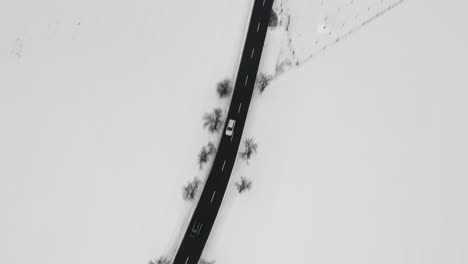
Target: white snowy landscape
(362,134)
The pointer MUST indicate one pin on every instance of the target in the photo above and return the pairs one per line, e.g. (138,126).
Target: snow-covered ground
(100,108)
(362,151)
(308,28)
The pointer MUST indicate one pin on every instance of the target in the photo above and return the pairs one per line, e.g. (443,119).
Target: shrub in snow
(224,88)
(243,185)
(213,120)
(161,260)
(273,19)
(205,153)
(211,148)
(191,189)
(250,148)
(263,80)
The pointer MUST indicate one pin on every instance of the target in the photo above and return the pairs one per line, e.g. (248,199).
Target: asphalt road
(204,216)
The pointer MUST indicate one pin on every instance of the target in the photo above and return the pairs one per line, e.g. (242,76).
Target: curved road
(204,216)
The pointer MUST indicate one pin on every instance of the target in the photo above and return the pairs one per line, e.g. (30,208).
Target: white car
(230,127)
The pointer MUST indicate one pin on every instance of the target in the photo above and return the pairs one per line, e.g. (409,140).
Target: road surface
(204,216)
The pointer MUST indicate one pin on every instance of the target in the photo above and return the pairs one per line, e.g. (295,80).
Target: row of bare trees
(224,88)
(249,149)
(213,122)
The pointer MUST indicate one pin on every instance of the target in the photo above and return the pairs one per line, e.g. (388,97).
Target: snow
(101,123)
(362,152)
(311,27)
(271,51)
(362,157)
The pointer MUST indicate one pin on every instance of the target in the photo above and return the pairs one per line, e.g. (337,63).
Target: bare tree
(224,88)
(203,261)
(263,80)
(203,157)
(190,191)
(161,260)
(205,153)
(250,148)
(214,120)
(243,185)
(211,148)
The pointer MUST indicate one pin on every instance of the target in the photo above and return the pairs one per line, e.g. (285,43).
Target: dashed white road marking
(263,2)
(246,79)
(238,110)
(224,163)
(258,26)
(187,260)
(251,55)
(212,197)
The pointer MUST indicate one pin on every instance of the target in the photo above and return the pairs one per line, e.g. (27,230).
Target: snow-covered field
(362,151)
